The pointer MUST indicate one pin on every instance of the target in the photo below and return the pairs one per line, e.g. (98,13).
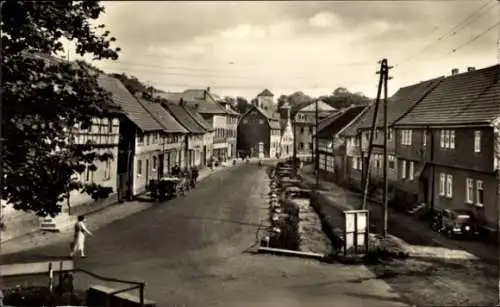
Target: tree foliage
(134,85)
(343,98)
(45,98)
(242,105)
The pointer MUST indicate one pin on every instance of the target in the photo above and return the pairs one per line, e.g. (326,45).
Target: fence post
(141,294)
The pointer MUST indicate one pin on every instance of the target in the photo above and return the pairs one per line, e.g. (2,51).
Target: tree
(281,101)
(44,98)
(342,98)
(242,105)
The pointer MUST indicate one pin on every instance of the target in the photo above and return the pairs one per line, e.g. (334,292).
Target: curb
(287,252)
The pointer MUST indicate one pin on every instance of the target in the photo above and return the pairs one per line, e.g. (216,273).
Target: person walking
(79,237)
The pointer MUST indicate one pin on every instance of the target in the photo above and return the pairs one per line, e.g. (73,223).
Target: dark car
(458,223)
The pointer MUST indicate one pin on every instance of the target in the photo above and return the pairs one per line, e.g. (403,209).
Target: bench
(98,295)
(33,268)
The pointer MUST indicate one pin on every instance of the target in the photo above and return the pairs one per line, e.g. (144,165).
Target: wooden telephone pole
(384,77)
(316,141)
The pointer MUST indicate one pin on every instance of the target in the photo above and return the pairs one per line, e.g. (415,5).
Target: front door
(161,166)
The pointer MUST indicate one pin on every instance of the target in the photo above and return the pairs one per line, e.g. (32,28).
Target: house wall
(275,141)
(265,102)
(232,133)
(148,146)
(253,128)
(305,142)
(195,149)
(486,214)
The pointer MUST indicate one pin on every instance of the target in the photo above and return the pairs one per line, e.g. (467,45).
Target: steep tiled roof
(336,122)
(200,99)
(169,123)
(183,117)
(352,128)
(397,105)
(266,93)
(199,119)
(274,122)
(131,107)
(466,98)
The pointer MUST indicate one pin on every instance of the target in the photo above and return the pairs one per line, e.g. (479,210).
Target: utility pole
(384,77)
(367,160)
(316,161)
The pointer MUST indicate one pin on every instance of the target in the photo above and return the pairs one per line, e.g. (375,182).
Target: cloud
(308,45)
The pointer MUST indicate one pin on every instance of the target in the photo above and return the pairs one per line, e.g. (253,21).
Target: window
(392,163)
(442,184)
(391,134)
(469,191)
(107,170)
(403,169)
(412,170)
(378,164)
(245,121)
(479,193)
(261,121)
(406,136)
(477,141)
(302,130)
(311,146)
(449,186)
(139,167)
(110,125)
(311,130)
(154,162)
(424,138)
(447,139)
(140,138)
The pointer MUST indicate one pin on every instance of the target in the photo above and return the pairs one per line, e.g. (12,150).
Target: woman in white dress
(79,238)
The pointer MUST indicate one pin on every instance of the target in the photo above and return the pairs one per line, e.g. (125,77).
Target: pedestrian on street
(79,237)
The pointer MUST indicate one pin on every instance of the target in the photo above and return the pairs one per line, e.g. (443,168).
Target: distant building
(286,140)
(259,133)
(304,123)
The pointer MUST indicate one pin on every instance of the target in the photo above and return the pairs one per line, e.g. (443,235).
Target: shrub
(29,296)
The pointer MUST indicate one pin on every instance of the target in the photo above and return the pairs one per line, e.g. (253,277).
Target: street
(191,252)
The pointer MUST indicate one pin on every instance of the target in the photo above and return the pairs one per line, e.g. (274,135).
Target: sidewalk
(439,271)
(95,219)
(420,238)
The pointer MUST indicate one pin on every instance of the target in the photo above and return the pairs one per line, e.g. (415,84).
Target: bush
(29,296)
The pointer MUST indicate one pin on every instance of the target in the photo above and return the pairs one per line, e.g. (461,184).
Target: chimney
(208,89)
(181,102)
(454,71)
(196,106)
(471,68)
(205,94)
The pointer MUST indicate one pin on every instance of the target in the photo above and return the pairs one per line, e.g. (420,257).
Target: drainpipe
(433,168)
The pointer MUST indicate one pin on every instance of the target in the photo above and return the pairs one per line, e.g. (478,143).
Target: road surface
(192,251)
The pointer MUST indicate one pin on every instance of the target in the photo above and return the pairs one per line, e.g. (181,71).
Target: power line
(453,31)
(471,40)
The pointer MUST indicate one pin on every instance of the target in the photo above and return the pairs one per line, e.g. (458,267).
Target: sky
(241,48)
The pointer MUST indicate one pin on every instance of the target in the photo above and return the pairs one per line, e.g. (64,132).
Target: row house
(287,137)
(331,145)
(213,113)
(446,146)
(358,135)
(304,123)
(259,133)
(171,138)
(208,137)
(194,148)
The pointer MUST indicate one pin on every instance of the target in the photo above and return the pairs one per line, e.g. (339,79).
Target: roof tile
(169,123)
(183,117)
(132,108)
(467,98)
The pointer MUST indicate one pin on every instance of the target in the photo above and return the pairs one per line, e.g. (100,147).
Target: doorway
(161,166)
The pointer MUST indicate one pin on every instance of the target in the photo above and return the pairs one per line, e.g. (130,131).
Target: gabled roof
(183,117)
(232,112)
(400,103)
(334,124)
(169,123)
(352,128)
(266,93)
(199,119)
(200,99)
(322,107)
(466,98)
(274,123)
(130,106)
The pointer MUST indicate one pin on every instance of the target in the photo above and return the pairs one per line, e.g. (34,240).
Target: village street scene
(302,153)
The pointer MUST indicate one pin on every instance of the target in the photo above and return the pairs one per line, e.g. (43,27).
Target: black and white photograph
(250,153)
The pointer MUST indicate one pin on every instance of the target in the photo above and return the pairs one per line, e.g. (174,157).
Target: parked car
(456,223)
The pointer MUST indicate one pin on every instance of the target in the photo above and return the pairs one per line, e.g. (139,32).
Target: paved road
(191,252)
